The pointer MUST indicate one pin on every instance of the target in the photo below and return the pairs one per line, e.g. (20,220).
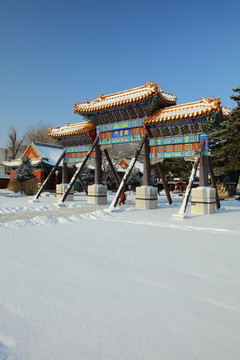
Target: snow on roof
(47,153)
(125,97)
(71,129)
(183,111)
(138,165)
(50,153)
(17,162)
(226,111)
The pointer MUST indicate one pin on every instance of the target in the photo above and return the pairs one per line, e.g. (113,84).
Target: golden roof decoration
(71,129)
(226,112)
(124,97)
(190,110)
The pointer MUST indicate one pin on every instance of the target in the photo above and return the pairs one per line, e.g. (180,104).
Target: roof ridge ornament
(150,90)
(101,97)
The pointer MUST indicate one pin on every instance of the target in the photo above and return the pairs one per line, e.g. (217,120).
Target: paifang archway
(146,115)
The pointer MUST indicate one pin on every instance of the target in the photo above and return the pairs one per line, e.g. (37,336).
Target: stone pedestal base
(60,189)
(146,197)
(203,200)
(97,194)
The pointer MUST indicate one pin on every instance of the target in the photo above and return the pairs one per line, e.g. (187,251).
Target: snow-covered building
(124,164)
(3,157)
(43,157)
(4,176)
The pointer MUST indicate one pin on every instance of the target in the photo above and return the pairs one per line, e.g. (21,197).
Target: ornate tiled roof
(71,129)
(190,110)
(38,153)
(126,97)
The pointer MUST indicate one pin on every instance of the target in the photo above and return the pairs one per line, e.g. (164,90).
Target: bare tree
(39,133)
(120,151)
(14,144)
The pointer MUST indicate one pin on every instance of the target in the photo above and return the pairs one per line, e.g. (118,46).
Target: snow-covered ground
(132,284)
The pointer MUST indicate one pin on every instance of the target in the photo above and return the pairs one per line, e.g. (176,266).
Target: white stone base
(146,197)
(97,194)
(203,200)
(33,200)
(179,216)
(60,204)
(60,189)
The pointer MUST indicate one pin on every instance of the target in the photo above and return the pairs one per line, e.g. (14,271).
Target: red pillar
(203,177)
(146,164)
(65,173)
(98,165)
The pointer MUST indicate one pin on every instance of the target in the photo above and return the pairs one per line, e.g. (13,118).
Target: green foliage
(179,168)
(108,177)
(135,179)
(25,170)
(224,144)
(87,176)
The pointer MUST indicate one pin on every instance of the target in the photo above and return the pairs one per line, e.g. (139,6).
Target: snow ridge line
(19,209)
(38,221)
(174,226)
(87,213)
(50,212)
(105,215)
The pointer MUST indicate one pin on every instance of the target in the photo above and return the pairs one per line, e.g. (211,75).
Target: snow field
(131,284)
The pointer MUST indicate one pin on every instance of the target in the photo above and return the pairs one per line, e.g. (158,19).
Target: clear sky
(56,53)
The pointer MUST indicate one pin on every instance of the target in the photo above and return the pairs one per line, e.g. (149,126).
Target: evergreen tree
(233,138)
(224,144)
(108,177)
(135,179)
(180,168)
(87,175)
(25,170)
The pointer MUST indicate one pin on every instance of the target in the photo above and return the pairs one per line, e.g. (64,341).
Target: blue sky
(56,53)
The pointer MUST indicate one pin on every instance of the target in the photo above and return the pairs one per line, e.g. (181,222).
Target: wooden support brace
(191,179)
(50,175)
(203,176)
(65,173)
(78,171)
(98,165)
(112,167)
(165,185)
(128,173)
(213,181)
(81,181)
(146,164)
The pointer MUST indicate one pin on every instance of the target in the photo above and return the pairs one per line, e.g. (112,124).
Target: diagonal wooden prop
(127,174)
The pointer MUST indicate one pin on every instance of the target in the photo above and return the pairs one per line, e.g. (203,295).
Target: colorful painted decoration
(124,117)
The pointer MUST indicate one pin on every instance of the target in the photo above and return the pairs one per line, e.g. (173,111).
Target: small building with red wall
(43,157)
